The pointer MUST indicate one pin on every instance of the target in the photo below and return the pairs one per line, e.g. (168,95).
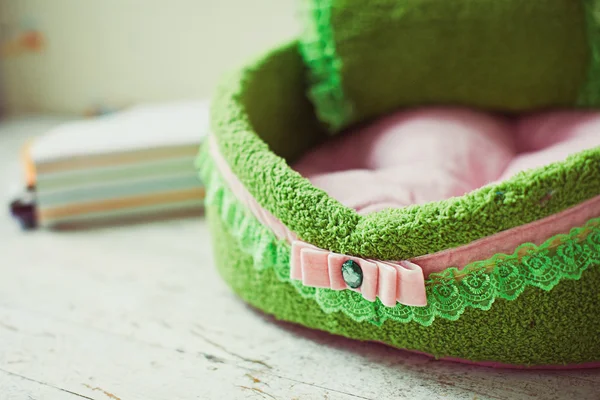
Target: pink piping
(241,193)
(507,241)
(494,364)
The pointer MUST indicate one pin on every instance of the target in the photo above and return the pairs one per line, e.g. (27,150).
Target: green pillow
(367,58)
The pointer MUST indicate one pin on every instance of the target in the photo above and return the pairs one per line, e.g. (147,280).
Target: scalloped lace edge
(449,293)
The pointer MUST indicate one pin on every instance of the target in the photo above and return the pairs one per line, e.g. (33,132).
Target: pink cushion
(431,154)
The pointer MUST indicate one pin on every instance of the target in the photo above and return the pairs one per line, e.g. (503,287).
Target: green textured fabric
(538,328)
(590,94)
(449,293)
(509,55)
(262,120)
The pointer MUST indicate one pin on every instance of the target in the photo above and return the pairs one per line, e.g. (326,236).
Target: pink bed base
(494,364)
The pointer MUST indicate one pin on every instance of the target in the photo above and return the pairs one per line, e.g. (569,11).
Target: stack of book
(135,164)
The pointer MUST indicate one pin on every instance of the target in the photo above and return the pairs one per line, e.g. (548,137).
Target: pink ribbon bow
(392,282)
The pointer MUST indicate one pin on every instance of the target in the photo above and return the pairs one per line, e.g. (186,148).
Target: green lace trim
(449,293)
(318,52)
(590,94)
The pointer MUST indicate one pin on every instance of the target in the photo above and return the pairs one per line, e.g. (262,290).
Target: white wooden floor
(139,312)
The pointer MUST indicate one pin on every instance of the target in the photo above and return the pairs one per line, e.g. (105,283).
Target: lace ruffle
(449,293)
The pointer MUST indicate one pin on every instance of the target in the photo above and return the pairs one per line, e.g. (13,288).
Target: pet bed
(465,233)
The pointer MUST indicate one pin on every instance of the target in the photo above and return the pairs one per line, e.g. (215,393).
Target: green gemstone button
(352,273)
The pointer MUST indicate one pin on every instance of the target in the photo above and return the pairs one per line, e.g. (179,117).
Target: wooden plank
(14,386)
(99,365)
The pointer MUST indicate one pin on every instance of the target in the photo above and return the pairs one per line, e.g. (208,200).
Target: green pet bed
(462,222)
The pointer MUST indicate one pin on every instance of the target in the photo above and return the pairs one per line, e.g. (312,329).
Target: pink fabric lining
(507,241)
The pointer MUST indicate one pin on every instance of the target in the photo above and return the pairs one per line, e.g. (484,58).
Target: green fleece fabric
(590,93)
(371,57)
(538,328)
(261,114)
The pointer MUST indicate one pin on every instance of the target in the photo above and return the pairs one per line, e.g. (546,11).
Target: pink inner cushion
(431,154)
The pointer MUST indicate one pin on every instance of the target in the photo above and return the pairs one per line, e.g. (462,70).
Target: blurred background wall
(73,56)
